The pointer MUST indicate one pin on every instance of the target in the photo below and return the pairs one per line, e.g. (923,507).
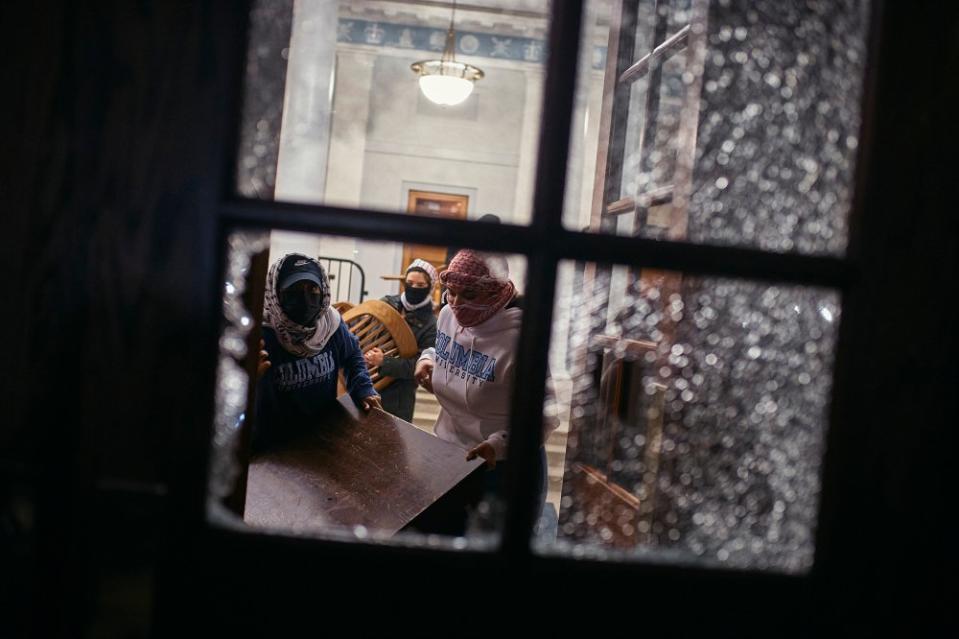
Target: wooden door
(435,205)
(643,172)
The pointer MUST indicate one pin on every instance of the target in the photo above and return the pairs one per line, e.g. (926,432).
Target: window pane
(719,123)
(342,319)
(695,413)
(334,113)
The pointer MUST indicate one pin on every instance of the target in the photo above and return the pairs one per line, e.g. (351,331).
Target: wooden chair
(376,324)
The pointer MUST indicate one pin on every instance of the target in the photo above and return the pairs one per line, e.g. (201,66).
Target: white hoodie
(473,378)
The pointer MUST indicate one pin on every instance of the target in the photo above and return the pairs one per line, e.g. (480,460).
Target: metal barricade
(347,279)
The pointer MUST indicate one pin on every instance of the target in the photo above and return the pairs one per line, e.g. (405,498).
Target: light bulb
(445,90)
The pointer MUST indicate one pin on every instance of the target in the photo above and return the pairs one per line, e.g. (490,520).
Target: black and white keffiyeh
(295,338)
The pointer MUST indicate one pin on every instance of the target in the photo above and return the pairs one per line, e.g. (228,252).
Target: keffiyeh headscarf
(297,339)
(488,275)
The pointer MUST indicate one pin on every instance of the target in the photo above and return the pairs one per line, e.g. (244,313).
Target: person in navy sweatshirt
(305,344)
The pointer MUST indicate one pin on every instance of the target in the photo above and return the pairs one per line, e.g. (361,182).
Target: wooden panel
(619,52)
(635,347)
(620,206)
(641,67)
(436,205)
(615,509)
(373,470)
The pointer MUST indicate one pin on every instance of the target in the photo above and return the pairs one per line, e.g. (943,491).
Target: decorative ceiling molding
(472,43)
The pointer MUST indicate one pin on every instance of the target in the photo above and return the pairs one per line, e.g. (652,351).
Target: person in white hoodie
(471,369)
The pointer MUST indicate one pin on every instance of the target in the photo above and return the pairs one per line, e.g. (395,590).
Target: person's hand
(264,362)
(371,402)
(484,450)
(424,374)
(373,357)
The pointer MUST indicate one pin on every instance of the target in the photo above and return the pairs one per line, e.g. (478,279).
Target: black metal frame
(338,277)
(545,243)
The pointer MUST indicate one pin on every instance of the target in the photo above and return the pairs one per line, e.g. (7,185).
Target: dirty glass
(719,122)
(694,411)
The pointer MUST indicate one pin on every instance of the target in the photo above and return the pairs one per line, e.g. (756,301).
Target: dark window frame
(544,243)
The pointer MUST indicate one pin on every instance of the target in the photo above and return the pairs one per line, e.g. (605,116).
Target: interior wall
(384,136)
(356,131)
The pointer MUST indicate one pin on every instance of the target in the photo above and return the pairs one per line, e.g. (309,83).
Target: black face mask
(303,307)
(416,295)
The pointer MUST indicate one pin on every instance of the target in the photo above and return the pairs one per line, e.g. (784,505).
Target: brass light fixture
(445,81)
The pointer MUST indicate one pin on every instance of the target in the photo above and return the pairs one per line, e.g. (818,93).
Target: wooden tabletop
(373,469)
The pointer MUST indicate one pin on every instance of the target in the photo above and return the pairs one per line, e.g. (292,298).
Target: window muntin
(703,261)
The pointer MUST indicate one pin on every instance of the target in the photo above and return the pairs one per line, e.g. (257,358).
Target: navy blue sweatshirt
(296,391)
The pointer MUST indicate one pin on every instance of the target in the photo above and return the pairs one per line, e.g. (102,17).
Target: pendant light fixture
(445,81)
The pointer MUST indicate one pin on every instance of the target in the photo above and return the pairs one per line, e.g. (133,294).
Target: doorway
(433,204)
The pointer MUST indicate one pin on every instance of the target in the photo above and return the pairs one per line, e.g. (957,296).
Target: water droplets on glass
(743,134)
(696,417)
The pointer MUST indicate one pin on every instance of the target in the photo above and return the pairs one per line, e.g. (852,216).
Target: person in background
(471,370)
(415,304)
(305,344)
